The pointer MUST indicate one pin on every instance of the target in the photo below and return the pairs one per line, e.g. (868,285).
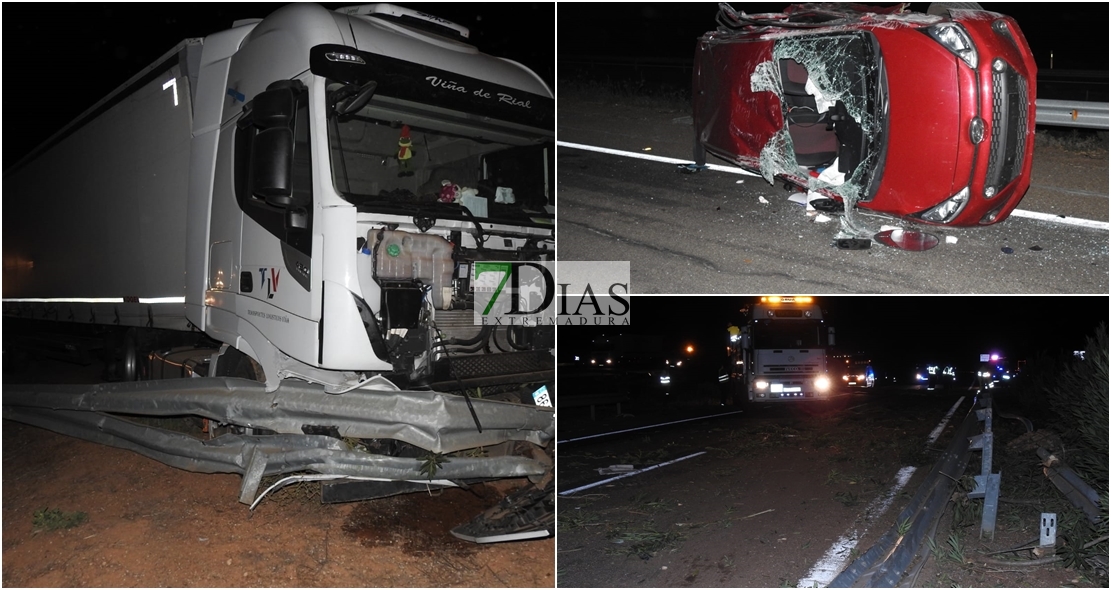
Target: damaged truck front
(285,215)
(928,118)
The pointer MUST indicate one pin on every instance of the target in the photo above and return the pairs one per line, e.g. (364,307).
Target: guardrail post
(987,483)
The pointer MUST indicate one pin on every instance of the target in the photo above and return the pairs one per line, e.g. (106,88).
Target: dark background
(1075,32)
(61,58)
(898,333)
(647,48)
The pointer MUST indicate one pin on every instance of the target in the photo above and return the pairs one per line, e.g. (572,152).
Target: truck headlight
(822,383)
(954,38)
(761,384)
(945,211)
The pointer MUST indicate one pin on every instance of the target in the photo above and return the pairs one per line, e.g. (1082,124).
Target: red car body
(936,115)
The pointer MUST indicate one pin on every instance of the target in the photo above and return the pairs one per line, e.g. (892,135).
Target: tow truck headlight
(954,38)
(761,384)
(822,383)
(947,209)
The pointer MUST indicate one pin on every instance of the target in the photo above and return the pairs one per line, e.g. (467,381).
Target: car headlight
(954,38)
(822,383)
(947,209)
(761,384)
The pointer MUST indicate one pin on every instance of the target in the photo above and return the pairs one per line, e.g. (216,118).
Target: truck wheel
(132,364)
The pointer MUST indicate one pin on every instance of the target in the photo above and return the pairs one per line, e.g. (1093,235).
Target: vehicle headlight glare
(761,384)
(822,383)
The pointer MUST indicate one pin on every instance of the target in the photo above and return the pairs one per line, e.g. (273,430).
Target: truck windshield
(407,138)
(788,334)
(388,163)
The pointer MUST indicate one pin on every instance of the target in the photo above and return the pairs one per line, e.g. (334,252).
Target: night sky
(1075,32)
(898,332)
(60,59)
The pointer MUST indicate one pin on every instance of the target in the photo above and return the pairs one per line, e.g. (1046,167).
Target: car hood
(919,123)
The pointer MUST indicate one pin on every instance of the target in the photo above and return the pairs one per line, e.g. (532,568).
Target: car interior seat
(815,142)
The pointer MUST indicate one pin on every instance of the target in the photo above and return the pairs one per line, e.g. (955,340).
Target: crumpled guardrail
(883,565)
(432,421)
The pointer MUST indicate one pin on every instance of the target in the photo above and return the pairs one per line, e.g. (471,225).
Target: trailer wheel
(132,366)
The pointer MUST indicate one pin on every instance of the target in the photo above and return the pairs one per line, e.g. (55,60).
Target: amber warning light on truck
(787,299)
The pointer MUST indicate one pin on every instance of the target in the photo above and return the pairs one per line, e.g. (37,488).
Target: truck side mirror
(272,108)
(271,165)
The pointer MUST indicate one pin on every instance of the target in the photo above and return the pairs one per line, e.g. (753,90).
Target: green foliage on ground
(1079,398)
(52,519)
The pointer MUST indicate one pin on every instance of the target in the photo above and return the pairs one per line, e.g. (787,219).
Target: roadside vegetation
(1066,396)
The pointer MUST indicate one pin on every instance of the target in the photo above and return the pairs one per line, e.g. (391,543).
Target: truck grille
(780,369)
(1008,127)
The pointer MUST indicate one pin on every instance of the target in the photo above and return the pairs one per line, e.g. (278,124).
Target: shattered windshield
(394,166)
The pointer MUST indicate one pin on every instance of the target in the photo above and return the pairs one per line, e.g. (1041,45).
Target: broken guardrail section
(885,563)
(987,483)
(299,428)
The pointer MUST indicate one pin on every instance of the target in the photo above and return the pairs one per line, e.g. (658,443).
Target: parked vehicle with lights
(925,117)
(283,217)
(934,376)
(855,369)
(781,351)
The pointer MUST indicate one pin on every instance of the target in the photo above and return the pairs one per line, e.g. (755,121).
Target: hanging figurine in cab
(404,152)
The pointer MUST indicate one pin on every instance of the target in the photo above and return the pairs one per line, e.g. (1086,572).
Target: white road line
(651,158)
(1076,221)
(643,427)
(937,430)
(629,474)
(1059,219)
(835,558)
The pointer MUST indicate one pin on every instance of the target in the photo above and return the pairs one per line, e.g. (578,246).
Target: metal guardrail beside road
(1072,113)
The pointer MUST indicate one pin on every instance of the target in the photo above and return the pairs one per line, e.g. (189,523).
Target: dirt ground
(149,525)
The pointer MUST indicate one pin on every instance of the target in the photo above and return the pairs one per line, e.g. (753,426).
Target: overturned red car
(920,116)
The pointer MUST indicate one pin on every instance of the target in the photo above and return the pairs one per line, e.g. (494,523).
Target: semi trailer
(273,229)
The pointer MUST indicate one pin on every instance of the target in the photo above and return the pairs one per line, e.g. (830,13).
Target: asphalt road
(711,233)
(775,487)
